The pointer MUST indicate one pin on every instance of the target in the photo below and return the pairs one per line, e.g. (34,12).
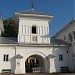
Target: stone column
(25,29)
(18,69)
(46,65)
(43,31)
(52,65)
(29,30)
(22,29)
(18,66)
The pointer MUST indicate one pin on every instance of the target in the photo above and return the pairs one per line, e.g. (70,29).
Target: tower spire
(0,15)
(32,5)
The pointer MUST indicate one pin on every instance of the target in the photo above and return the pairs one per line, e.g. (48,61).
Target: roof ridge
(32,12)
(67,25)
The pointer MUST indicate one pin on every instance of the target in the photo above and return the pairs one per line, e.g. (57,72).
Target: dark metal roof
(51,56)
(18,56)
(32,11)
(8,40)
(58,42)
(13,40)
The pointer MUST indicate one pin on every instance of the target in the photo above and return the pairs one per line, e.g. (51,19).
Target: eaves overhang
(34,15)
(33,45)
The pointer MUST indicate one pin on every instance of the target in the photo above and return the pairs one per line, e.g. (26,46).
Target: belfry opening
(34,63)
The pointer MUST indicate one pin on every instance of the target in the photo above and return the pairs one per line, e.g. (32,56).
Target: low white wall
(52,64)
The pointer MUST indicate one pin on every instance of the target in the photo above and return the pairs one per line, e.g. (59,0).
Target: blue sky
(62,10)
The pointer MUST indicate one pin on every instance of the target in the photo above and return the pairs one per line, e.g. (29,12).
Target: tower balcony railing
(33,38)
(38,69)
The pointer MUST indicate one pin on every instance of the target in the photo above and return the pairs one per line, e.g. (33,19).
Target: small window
(33,29)
(64,37)
(70,37)
(60,57)
(67,51)
(5,58)
(74,35)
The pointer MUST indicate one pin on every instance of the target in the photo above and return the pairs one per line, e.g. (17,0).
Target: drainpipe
(15,50)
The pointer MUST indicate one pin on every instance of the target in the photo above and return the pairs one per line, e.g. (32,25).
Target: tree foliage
(10,28)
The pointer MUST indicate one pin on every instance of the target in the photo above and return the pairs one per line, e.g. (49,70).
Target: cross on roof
(32,5)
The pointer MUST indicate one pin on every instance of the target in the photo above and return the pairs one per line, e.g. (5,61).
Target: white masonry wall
(25,30)
(52,64)
(65,32)
(5,50)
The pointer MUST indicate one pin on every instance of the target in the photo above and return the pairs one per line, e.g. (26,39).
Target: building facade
(68,34)
(33,50)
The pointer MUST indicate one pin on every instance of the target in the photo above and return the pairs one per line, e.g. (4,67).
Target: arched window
(33,29)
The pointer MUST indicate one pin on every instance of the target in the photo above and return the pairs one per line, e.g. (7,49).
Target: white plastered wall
(25,30)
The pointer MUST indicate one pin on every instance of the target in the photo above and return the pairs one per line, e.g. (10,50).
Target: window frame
(70,37)
(64,37)
(61,57)
(35,29)
(6,57)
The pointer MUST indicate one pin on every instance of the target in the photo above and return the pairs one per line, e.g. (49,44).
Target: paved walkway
(51,74)
(42,74)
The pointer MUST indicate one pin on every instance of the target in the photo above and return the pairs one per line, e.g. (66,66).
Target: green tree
(9,28)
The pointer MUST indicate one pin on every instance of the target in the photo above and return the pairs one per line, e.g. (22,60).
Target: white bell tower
(1,25)
(33,27)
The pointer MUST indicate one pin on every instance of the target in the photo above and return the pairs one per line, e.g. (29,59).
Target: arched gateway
(35,63)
